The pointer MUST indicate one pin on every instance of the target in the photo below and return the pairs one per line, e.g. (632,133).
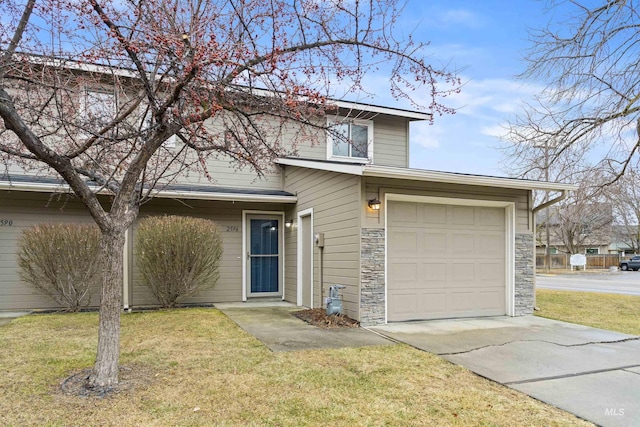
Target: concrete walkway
(275,326)
(590,372)
(8,316)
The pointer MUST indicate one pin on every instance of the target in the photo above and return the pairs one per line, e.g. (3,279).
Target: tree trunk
(105,370)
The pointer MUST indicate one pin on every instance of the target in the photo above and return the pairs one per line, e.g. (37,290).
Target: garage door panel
(411,305)
(461,301)
(490,244)
(490,299)
(404,212)
(404,242)
(491,271)
(462,215)
(405,272)
(433,214)
(455,268)
(462,274)
(433,273)
(461,244)
(433,243)
(491,217)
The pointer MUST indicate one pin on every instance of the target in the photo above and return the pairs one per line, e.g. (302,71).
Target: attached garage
(448,258)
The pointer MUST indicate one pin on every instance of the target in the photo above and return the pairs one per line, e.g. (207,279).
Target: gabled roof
(361,169)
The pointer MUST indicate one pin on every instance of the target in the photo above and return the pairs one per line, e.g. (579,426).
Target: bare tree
(590,64)
(583,219)
(624,197)
(222,76)
(533,160)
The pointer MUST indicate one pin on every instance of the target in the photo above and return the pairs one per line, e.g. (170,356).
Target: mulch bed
(130,377)
(318,317)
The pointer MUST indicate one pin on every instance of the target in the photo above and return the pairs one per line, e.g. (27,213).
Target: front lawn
(613,312)
(196,367)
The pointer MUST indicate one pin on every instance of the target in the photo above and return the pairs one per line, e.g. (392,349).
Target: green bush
(177,256)
(61,261)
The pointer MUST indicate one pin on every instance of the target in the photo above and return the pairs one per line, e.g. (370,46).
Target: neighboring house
(584,229)
(407,243)
(626,240)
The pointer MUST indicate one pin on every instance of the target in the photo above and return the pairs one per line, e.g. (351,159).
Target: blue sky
(488,40)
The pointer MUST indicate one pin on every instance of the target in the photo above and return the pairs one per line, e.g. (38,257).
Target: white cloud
(496,131)
(461,17)
(426,135)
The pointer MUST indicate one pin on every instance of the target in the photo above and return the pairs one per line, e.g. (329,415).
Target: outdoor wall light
(374,204)
(288,223)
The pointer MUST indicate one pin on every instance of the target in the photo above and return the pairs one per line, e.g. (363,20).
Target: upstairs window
(350,139)
(99,107)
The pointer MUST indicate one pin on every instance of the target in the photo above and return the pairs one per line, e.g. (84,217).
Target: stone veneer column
(372,277)
(524,274)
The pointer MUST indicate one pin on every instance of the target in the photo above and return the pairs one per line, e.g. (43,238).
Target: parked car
(630,264)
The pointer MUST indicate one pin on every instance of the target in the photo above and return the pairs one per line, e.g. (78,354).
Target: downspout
(563,195)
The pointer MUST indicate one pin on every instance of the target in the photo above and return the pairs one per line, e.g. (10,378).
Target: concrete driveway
(590,372)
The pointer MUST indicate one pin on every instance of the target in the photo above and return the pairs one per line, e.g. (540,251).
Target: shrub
(61,261)
(177,256)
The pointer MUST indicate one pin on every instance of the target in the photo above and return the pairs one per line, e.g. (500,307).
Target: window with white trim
(350,139)
(98,107)
(592,251)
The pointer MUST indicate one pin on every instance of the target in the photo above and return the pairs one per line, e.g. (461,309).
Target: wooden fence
(593,261)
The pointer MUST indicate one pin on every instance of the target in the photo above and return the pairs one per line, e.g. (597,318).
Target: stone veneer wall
(372,277)
(524,274)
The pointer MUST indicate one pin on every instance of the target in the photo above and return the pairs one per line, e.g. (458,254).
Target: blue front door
(264,256)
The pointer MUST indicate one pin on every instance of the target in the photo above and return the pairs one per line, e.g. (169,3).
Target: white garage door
(445,261)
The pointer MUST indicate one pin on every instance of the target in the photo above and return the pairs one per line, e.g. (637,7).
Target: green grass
(613,312)
(195,367)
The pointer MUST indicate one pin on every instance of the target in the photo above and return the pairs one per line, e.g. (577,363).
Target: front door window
(264,256)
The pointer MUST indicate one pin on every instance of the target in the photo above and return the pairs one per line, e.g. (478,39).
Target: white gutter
(414,115)
(165,194)
(232,197)
(463,179)
(553,201)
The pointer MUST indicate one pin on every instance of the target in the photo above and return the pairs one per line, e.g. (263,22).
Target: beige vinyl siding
(390,141)
(228,216)
(226,174)
(24,210)
(377,187)
(335,201)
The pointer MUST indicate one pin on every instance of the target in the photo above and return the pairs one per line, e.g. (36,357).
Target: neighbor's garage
(445,261)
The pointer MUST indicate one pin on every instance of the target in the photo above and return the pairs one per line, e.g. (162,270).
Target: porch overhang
(195,192)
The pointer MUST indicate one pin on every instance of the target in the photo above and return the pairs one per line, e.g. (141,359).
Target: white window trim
(84,106)
(361,122)
(302,214)
(586,251)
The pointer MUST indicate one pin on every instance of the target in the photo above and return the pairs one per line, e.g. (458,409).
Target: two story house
(408,244)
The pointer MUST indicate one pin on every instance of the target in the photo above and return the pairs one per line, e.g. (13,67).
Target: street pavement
(622,282)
